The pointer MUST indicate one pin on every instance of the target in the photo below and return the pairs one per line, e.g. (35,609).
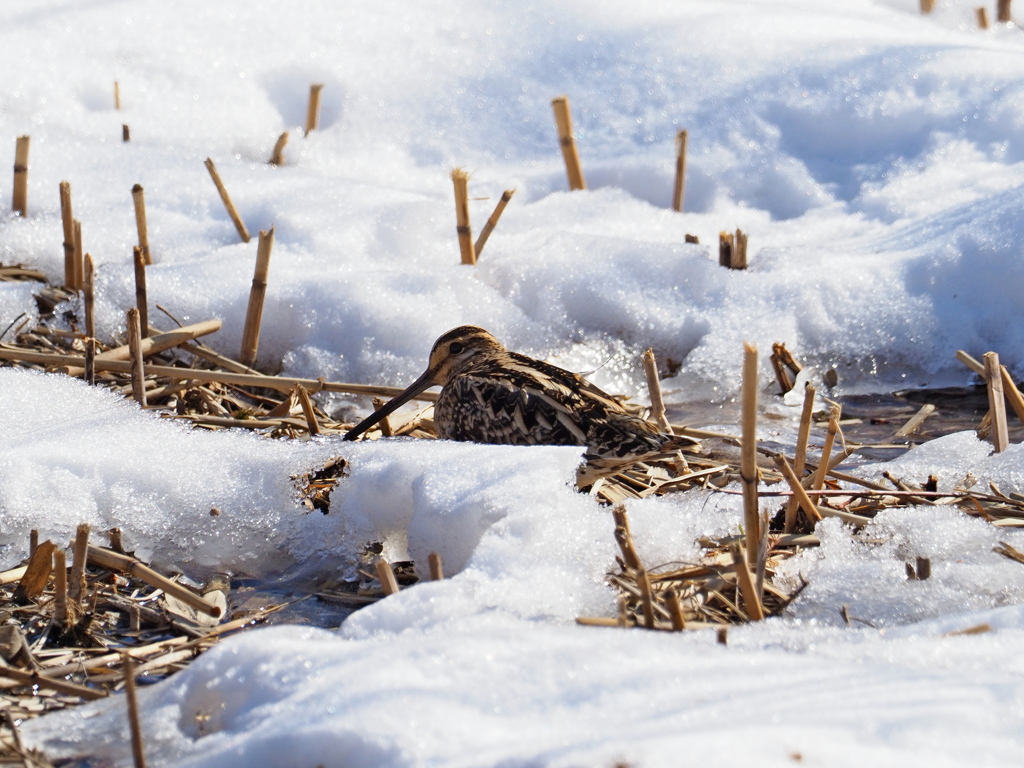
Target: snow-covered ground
(875,158)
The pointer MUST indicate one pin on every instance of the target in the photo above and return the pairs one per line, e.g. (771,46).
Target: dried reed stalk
(254,313)
(675,611)
(128,670)
(927,6)
(996,402)
(915,421)
(800,496)
(139,202)
(114,561)
(384,425)
(67,220)
(226,199)
(36,679)
(781,372)
(60,589)
(19,200)
(141,300)
(1013,395)
(280,383)
(492,222)
(726,246)
(277,158)
(748,447)
(624,538)
(33,542)
(800,457)
(386,576)
(77,586)
(307,410)
(751,600)
(37,573)
(646,597)
(982,14)
(1003,11)
(313,109)
(151,345)
(679,190)
(117,95)
(970,362)
(460,180)
(563,121)
(785,366)
(739,256)
(826,449)
(436,569)
(654,389)
(135,355)
(79,260)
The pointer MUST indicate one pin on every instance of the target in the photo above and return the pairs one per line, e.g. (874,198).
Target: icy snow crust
(875,159)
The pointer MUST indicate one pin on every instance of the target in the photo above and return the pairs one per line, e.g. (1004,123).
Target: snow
(873,156)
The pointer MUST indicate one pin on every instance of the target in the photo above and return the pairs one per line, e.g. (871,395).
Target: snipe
(491,395)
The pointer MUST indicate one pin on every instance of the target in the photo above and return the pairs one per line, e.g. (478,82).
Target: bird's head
(457,350)
(451,354)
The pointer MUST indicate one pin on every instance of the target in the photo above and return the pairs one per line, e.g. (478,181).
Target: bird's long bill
(424,381)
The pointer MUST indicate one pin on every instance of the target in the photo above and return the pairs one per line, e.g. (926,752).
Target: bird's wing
(508,407)
(570,385)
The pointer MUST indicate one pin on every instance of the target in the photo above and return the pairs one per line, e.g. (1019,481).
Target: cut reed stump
(785,366)
(732,250)
(135,347)
(982,15)
(563,121)
(1003,11)
(996,403)
(313,108)
(138,753)
(77,587)
(679,190)
(254,314)
(460,180)
(19,200)
(800,457)
(927,6)
(436,569)
(89,302)
(277,158)
(117,95)
(387,577)
(79,265)
(492,222)
(141,299)
(139,202)
(67,220)
(60,588)
(308,412)
(654,390)
(226,199)
(126,134)
(748,458)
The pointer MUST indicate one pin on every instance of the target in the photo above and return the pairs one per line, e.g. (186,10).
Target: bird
(491,395)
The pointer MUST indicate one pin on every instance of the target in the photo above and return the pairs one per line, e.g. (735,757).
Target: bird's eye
(455,348)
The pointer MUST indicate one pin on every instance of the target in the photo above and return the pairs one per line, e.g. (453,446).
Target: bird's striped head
(454,351)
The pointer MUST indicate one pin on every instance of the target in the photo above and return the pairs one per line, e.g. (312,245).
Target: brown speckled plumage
(491,395)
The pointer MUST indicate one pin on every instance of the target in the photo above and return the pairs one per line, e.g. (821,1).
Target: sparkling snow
(874,156)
